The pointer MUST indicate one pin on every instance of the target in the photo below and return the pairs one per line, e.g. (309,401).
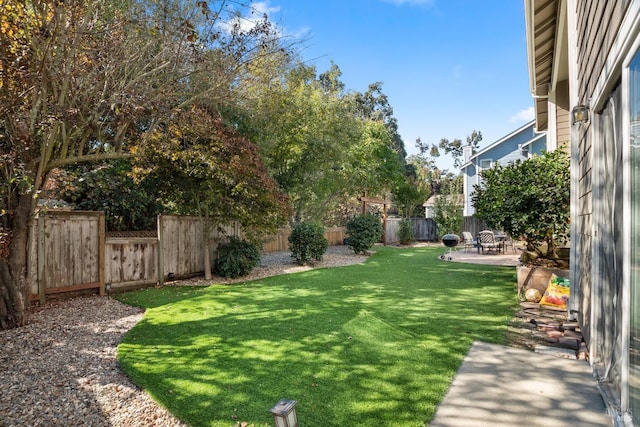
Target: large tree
(88,80)
(317,143)
(215,174)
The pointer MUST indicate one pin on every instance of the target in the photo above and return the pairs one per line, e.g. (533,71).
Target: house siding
(598,23)
(584,230)
(596,275)
(563,117)
(501,152)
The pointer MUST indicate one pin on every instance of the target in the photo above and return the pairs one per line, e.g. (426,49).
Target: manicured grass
(375,344)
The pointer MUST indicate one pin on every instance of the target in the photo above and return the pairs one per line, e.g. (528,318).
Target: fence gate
(66,252)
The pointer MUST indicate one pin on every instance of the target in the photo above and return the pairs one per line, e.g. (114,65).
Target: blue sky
(448,67)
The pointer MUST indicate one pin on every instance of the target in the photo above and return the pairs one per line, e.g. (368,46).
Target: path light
(579,114)
(284,413)
(107,288)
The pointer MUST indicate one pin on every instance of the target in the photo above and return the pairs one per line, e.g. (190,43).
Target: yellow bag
(557,293)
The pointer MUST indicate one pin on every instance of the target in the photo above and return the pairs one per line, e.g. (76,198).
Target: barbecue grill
(450,241)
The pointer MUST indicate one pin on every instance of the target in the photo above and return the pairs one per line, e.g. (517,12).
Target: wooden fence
(280,241)
(424,229)
(473,225)
(70,251)
(66,253)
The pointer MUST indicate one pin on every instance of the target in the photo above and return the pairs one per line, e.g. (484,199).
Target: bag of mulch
(557,293)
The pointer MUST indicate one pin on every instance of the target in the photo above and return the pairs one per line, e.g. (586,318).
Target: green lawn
(375,344)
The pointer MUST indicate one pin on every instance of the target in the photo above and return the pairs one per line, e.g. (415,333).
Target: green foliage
(307,242)
(319,143)
(363,232)
(405,231)
(215,173)
(429,152)
(528,199)
(408,197)
(110,187)
(237,258)
(448,214)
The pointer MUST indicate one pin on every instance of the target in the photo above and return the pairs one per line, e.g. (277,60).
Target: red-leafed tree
(212,172)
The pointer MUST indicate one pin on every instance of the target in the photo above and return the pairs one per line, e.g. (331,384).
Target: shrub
(405,232)
(307,243)
(237,257)
(528,199)
(363,232)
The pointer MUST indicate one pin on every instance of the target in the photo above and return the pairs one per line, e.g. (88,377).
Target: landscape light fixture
(579,114)
(284,413)
(107,288)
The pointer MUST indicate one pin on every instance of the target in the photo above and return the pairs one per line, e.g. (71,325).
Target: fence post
(102,251)
(42,277)
(160,251)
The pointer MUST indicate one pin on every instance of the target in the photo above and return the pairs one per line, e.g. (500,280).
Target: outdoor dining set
(489,241)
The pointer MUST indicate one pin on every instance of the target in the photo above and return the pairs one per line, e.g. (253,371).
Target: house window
(486,164)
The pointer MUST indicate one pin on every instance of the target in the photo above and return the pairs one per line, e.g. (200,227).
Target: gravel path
(61,369)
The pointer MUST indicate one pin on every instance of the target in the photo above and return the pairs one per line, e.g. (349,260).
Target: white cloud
(262,7)
(524,115)
(257,11)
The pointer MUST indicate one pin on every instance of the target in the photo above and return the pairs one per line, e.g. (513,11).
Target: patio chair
(469,241)
(509,242)
(486,240)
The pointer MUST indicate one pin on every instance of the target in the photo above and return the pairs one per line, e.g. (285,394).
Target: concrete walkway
(499,386)
(473,257)
(502,386)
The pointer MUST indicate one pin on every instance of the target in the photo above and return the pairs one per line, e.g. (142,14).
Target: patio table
(500,239)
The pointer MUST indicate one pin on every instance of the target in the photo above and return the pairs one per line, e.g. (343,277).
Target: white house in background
(429,205)
(518,145)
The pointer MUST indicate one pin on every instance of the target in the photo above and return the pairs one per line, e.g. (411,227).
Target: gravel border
(61,369)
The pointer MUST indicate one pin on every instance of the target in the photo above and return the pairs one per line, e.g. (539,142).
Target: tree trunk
(207,259)
(14,296)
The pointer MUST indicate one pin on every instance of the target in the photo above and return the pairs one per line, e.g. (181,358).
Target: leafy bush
(128,204)
(237,257)
(405,232)
(528,199)
(448,215)
(363,232)
(307,242)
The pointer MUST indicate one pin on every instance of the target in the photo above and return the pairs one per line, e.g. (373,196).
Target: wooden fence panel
(182,244)
(131,261)
(182,251)
(473,225)
(66,252)
(335,235)
(424,229)
(280,241)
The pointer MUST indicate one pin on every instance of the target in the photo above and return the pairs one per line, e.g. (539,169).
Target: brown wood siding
(584,229)
(563,128)
(598,24)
